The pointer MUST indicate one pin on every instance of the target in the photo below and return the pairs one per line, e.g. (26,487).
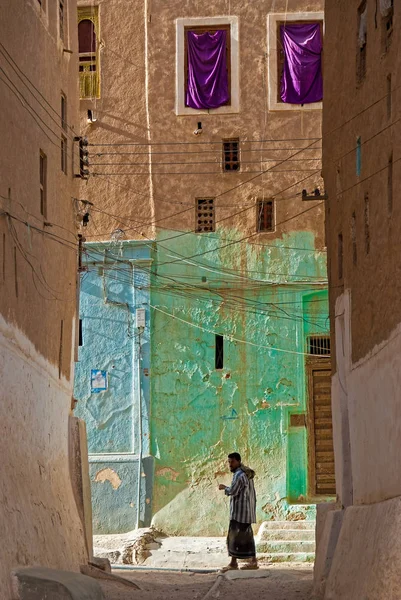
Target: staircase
(286,541)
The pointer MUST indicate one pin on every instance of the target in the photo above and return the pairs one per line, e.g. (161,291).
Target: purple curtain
(302,80)
(207,70)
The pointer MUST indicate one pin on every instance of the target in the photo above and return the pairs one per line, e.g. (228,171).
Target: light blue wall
(114,285)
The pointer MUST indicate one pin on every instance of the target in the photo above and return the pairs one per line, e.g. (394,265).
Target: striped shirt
(242,498)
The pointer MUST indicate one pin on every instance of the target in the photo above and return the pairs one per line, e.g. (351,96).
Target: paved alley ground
(276,582)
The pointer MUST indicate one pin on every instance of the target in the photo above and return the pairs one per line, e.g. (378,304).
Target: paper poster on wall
(98,381)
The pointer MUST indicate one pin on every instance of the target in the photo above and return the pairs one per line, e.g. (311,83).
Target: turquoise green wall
(200,414)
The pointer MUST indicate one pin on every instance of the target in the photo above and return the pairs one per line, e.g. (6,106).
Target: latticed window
(64,112)
(43,183)
(61,18)
(265,215)
(319,346)
(231,161)
(387,11)
(89,63)
(63,148)
(362,42)
(204,215)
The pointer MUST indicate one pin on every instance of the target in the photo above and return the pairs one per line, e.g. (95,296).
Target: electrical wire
(175,143)
(17,69)
(248,305)
(260,172)
(229,337)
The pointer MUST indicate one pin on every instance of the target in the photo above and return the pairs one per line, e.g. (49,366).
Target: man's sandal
(228,568)
(250,567)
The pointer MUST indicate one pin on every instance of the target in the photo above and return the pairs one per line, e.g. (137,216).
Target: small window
(204,215)
(231,160)
(61,18)
(389,97)
(387,13)
(64,154)
(319,346)
(390,185)
(299,62)
(219,354)
(43,183)
(362,38)
(207,67)
(353,239)
(367,224)
(340,255)
(81,337)
(89,58)
(265,215)
(358,165)
(64,112)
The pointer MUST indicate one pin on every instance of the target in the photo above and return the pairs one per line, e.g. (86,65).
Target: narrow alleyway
(278,582)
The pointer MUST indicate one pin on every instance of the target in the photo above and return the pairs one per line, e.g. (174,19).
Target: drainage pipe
(139,392)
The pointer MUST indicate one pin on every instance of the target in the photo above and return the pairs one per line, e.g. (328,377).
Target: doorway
(320,423)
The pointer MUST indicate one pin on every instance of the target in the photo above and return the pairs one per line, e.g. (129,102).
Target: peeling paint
(110,476)
(167,473)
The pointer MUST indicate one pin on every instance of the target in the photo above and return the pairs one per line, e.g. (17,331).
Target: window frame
(203,29)
(361,53)
(43,183)
(313,341)
(387,32)
(206,24)
(89,13)
(224,155)
(62,21)
(64,113)
(281,56)
(219,352)
(273,41)
(64,154)
(198,200)
(259,204)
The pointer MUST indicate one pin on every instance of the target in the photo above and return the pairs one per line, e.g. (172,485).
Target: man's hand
(222,486)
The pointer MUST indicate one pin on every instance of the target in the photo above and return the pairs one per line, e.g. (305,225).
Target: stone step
(282,557)
(303,525)
(305,535)
(285,546)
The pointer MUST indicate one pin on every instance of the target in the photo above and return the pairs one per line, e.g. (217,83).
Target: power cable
(16,68)
(175,143)
(229,336)
(232,304)
(146,174)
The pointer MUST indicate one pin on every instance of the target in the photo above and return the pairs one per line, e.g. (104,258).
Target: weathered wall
(147,187)
(199,414)
(39,521)
(112,289)
(364,305)
(365,298)
(369,112)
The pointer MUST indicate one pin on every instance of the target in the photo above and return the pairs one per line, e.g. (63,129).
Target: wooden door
(320,429)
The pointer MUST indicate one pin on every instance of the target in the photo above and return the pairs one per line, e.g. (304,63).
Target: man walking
(240,540)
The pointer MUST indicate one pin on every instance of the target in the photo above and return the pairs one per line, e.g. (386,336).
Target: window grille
(265,215)
(319,346)
(89,59)
(204,215)
(231,161)
(42,183)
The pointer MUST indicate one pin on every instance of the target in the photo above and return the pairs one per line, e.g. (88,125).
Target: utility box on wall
(140,318)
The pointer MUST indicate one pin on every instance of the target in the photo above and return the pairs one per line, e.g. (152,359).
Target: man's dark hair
(235,455)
